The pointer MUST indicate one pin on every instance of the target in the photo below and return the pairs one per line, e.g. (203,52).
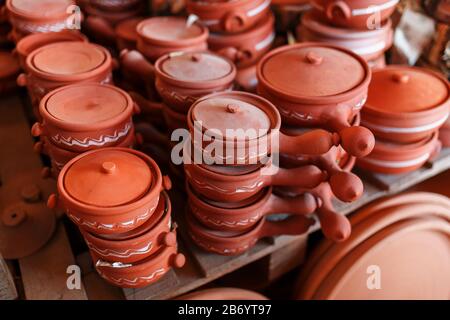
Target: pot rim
(36,17)
(222,5)
(337,98)
(383,146)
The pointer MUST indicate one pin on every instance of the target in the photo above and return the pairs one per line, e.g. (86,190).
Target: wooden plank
(7,286)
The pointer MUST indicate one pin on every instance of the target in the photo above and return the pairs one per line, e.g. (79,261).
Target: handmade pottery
(242,216)
(406,104)
(127,190)
(394,158)
(245,128)
(359,14)
(141,273)
(139,243)
(86,116)
(246,48)
(126,33)
(330,95)
(9,69)
(229,16)
(231,243)
(115,5)
(223,294)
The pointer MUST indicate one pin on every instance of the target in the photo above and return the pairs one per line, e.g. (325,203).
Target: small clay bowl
(394,158)
(245,128)
(34,41)
(141,273)
(85,116)
(359,14)
(334,83)
(230,243)
(406,104)
(110,190)
(161,35)
(229,16)
(139,243)
(246,48)
(126,33)
(243,217)
(9,69)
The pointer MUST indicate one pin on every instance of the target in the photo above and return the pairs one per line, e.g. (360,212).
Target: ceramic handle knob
(22,80)
(400,77)
(109,167)
(14,216)
(235,21)
(313,58)
(178,260)
(338,8)
(169,239)
(232,108)
(166,183)
(346,186)
(357,141)
(37,130)
(334,226)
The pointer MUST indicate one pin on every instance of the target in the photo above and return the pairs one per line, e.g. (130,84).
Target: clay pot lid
(40,9)
(312,70)
(67,58)
(127,29)
(108,178)
(36,40)
(195,67)
(86,104)
(403,89)
(9,65)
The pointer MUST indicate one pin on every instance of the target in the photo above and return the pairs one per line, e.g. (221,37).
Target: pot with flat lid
(315,84)
(406,104)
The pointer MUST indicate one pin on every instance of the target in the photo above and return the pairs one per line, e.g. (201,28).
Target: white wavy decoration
(133,281)
(120,254)
(243,189)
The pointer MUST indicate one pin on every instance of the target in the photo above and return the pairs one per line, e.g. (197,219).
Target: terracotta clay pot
(229,16)
(223,294)
(126,33)
(230,243)
(394,158)
(334,89)
(9,69)
(359,14)
(247,48)
(257,120)
(244,216)
(127,189)
(115,5)
(34,41)
(87,116)
(27,16)
(139,243)
(369,44)
(143,272)
(406,104)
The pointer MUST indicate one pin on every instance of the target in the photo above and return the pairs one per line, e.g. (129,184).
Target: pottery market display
(9,70)
(399,245)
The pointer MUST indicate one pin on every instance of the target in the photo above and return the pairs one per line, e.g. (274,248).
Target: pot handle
(99,25)
(236,55)
(37,130)
(168,239)
(151,135)
(346,186)
(22,80)
(293,225)
(146,106)
(166,183)
(357,141)
(136,63)
(301,205)
(53,202)
(308,176)
(338,6)
(234,21)
(177,260)
(314,142)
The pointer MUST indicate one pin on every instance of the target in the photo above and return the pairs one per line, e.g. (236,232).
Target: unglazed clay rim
(103,67)
(195,84)
(36,17)
(386,147)
(79,127)
(372,8)
(153,191)
(172,43)
(344,96)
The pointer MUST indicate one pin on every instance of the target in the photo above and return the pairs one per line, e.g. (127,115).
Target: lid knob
(313,58)
(196,57)
(400,77)
(109,167)
(232,108)
(14,216)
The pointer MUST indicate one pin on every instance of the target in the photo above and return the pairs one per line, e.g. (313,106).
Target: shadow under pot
(226,16)
(86,116)
(242,215)
(141,273)
(9,70)
(319,85)
(110,190)
(231,243)
(239,128)
(359,14)
(59,64)
(395,158)
(140,243)
(246,48)
(406,104)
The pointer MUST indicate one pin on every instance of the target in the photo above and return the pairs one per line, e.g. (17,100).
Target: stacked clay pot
(117,198)
(405,109)
(288,13)
(242,31)
(229,182)
(83,117)
(399,249)
(314,86)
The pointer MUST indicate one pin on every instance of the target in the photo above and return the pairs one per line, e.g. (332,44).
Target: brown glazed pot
(236,217)
(369,44)
(139,243)
(230,243)
(220,112)
(126,33)
(334,83)
(229,16)
(34,41)
(27,16)
(9,69)
(143,272)
(223,294)
(406,104)
(127,189)
(358,14)
(246,48)
(395,158)
(87,116)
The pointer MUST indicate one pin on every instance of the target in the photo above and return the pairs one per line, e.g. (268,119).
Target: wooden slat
(7,287)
